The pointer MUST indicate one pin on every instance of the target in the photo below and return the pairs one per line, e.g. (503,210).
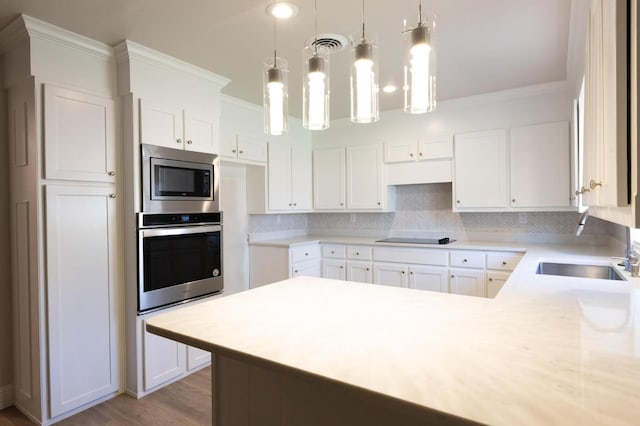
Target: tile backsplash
(426,210)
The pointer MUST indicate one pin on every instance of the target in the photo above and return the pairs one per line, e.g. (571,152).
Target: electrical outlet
(352,217)
(523,218)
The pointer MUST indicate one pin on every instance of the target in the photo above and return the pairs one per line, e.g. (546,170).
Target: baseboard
(6,396)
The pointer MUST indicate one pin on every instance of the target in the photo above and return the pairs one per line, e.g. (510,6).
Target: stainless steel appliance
(176,181)
(179,258)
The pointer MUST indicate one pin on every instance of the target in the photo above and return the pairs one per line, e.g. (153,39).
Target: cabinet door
(433,148)
(307,269)
(495,281)
(80,288)
(197,358)
(398,152)
(390,274)
(301,180)
(164,360)
(79,136)
(329,179)
(252,149)
(480,170)
(429,278)
(540,172)
(470,282)
(365,177)
(334,269)
(360,272)
(201,130)
(279,176)
(161,124)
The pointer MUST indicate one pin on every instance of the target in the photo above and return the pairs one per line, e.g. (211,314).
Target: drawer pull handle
(306,254)
(464,260)
(504,263)
(593,184)
(112,195)
(111,173)
(453,276)
(189,141)
(490,279)
(178,140)
(332,252)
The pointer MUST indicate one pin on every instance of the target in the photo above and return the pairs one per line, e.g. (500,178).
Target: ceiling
(482,46)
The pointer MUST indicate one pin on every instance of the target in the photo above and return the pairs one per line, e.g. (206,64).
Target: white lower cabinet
(310,268)
(391,274)
(334,269)
(81,301)
(164,360)
(268,264)
(469,282)
(495,281)
(359,271)
(432,278)
(197,358)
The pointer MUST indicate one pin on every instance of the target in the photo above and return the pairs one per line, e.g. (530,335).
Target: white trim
(6,396)
(12,33)
(129,50)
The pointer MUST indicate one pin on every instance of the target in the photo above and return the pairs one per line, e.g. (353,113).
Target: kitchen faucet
(582,221)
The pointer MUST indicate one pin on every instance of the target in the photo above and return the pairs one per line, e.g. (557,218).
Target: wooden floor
(187,402)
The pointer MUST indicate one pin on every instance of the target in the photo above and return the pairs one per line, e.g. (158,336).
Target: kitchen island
(312,351)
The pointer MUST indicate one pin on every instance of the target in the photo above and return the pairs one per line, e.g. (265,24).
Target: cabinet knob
(490,279)
(411,273)
(403,272)
(379,203)
(295,204)
(234,151)
(464,260)
(513,200)
(457,201)
(289,204)
(332,252)
(112,195)
(367,269)
(593,184)
(504,263)
(111,173)
(453,276)
(306,254)
(582,190)
(411,154)
(241,152)
(178,140)
(189,141)
(419,154)
(341,267)
(357,253)
(295,271)
(342,204)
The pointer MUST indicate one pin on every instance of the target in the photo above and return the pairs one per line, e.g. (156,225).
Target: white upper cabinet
(365,186)
(424,148)
(350,178)
(539,166)
(480,170)
(289,176)
(605,126)
(79,133)
(241,136)
(250,149)
(329,179)
(170,125)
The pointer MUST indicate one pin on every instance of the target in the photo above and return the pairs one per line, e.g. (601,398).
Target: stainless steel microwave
(177,181)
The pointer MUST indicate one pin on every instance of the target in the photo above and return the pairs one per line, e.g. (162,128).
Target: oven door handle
(165,232)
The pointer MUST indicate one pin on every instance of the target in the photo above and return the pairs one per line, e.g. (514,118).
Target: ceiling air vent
(329,42)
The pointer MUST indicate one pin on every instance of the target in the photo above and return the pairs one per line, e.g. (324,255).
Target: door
(334,269)
(470,282)
(540,176)
(329,179)
(390,274)
(81,278)
(480,170)
(161,124)
(364,177)
(430,278)
(164,360)
(79,136)
(360,272)
(197,358)
(399,152)
(279,176)
(201,130)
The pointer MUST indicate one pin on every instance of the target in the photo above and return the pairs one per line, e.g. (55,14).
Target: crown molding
(127,51)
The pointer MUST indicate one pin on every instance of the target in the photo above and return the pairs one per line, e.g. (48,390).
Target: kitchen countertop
(547,350)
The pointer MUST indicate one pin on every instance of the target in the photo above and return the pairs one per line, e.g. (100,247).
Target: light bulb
(364,89)
(420,77)
(276,104)
(316,100)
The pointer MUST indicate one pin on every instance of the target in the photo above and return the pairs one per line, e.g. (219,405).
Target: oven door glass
(180,255)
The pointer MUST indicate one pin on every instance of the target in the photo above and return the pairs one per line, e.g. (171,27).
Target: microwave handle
(165,232)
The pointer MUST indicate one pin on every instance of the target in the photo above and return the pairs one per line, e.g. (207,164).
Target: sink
(602,272)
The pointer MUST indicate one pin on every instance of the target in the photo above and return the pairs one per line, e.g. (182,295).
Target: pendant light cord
(274,43)
(420,13)
(315,19)
(362,20)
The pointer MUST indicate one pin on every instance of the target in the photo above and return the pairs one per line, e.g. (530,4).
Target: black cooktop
(445,240)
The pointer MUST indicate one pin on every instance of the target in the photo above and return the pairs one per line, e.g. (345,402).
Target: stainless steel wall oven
(179,258)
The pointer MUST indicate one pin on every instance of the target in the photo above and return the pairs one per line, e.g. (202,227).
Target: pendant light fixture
(315,87)
(274,92)
(364,79)
(420,66)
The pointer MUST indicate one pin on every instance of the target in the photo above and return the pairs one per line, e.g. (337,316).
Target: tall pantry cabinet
(64,218)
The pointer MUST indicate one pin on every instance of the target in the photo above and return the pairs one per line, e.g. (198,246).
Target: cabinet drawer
(411,255)
(467,259)
(335,251)
(302,253)
(502,260)
(359,252)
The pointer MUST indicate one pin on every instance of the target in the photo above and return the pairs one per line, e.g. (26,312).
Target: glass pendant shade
(420,68)
(275,96)
(364,82)
(315,89)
